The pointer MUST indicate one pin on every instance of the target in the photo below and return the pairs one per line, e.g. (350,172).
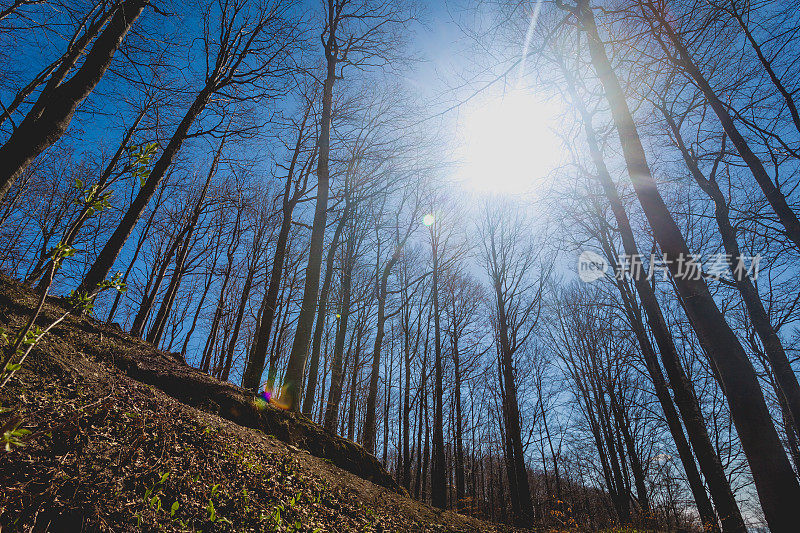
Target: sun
(507,144)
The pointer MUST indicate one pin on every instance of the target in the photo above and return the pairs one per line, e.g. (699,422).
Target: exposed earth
(125,437)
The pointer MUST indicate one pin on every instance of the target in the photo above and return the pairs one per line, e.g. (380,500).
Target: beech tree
(248,43)
(67,86)
(334,223)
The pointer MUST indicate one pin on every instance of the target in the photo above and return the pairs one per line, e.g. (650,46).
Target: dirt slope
(127,438)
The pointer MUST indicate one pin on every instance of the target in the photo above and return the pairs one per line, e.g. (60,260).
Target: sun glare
(507,144)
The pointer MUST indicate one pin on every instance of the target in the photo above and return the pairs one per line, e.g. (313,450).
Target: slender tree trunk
(218,312)
(387,391)
(512,409)
(351,420)
(775,481)
(159,323)
(297,358)
(140,321)
(335,390)
(142,238)
(237,325)
(52,113)
(458,422)
(716,476)
(83,216)
(319,327)
(438,473)
(786,216)
(254,368)
(511,472)
(206,287)
(372,394)
(623,425)
(405,478)
(272,372)
(108,255)
(423,395)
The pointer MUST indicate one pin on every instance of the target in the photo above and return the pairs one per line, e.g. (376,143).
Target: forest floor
(127,438)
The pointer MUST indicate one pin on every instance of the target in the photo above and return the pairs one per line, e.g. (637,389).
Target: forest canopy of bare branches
(538,257)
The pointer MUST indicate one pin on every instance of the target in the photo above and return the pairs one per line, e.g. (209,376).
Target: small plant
(12,434)
(140,157)
(151,495)
(212,511)
(16,346)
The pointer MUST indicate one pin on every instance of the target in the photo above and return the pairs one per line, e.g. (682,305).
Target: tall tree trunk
(160,322)
(773,347)
(295,367)
(623,426)
(237,325)
(511,472)
(52,113)
(319,326)
(156,331)
(335,390)
(405,478)
(108,255)
(716,475)
(438,473)
(140,242)
(685,398)
(423,400)
(206,288)
(140,321)
(220,308)
(351,420)
(372,394)
(96,193)
(775,481)
(513,430)
(387,391)
(458,422)
(255,364)
(254,368)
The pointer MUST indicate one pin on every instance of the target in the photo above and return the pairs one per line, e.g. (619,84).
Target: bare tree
(57,101)
(245,46)
(773,475)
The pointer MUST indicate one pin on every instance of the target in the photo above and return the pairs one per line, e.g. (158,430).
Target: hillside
(125,437)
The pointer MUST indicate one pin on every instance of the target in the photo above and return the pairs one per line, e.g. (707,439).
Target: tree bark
(775,481)
(295,367)
(786,216)
(52,113)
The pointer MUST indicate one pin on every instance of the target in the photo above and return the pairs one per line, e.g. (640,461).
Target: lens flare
(268,397)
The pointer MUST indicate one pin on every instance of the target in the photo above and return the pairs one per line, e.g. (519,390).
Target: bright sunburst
(507,144)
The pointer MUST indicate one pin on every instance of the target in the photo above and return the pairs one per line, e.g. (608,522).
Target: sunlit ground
(507,143)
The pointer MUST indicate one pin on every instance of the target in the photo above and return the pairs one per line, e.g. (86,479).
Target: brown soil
(128,438)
